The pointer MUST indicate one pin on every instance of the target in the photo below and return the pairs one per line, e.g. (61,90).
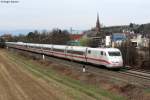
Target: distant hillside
(143,28)
(115,29)
(17,31)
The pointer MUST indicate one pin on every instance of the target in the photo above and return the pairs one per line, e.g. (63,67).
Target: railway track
(132,77)
(128,76)
(141,70)
(141,73)
(137,74)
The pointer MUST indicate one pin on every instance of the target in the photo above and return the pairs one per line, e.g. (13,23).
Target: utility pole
(71,30)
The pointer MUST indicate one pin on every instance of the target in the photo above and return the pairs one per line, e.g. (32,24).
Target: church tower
(98,27)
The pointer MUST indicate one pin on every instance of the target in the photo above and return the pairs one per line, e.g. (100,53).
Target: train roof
(63,46)
(105,49)
(46,45)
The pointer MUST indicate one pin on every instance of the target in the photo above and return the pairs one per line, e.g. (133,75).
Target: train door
(86,53)
(71,56)
(66,51)
(103,58)
(89,57)
(52,52)
(69,52)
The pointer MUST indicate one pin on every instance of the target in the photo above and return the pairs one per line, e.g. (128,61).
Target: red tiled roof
(76,36)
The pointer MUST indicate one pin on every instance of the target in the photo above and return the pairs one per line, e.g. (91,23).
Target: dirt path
(19,84)
(16,84)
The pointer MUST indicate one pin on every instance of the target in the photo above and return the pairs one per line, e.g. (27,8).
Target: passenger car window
(89,51)
(102,53)
(78,52)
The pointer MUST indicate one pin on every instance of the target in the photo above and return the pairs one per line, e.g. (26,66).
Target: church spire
(97,24)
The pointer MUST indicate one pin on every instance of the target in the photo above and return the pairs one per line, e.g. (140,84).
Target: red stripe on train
(82,57)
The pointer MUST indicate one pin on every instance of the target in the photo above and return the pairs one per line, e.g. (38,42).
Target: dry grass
(128,91)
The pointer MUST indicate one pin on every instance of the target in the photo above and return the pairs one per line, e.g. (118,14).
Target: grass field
(61,87)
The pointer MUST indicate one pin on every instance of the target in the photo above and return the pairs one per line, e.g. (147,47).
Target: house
(118,38)
(140,41)
(75,38)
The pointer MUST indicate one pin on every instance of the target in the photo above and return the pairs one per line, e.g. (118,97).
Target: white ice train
(109,57)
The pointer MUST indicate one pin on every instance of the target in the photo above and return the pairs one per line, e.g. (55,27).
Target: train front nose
(116,62)
(115,58)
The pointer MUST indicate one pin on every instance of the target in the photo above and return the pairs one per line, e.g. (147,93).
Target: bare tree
(129,53)
(60,37)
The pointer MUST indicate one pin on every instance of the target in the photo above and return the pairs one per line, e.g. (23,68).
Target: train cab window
(89,51)
(114,53)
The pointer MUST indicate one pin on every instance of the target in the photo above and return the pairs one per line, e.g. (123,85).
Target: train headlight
(115,62)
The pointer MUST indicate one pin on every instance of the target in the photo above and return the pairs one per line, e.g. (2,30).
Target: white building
(140,41)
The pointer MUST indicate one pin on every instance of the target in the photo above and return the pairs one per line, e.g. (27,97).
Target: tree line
(136,28)
(56,36)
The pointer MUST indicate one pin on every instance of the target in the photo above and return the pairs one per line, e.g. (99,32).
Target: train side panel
(47,49)
(59,51)
(97,56)
(79,53)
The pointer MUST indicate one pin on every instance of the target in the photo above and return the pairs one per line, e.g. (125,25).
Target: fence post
(43,57)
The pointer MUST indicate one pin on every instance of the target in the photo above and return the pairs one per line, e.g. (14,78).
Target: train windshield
(114,53)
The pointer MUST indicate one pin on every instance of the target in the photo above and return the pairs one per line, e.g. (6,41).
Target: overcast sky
(78,14)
